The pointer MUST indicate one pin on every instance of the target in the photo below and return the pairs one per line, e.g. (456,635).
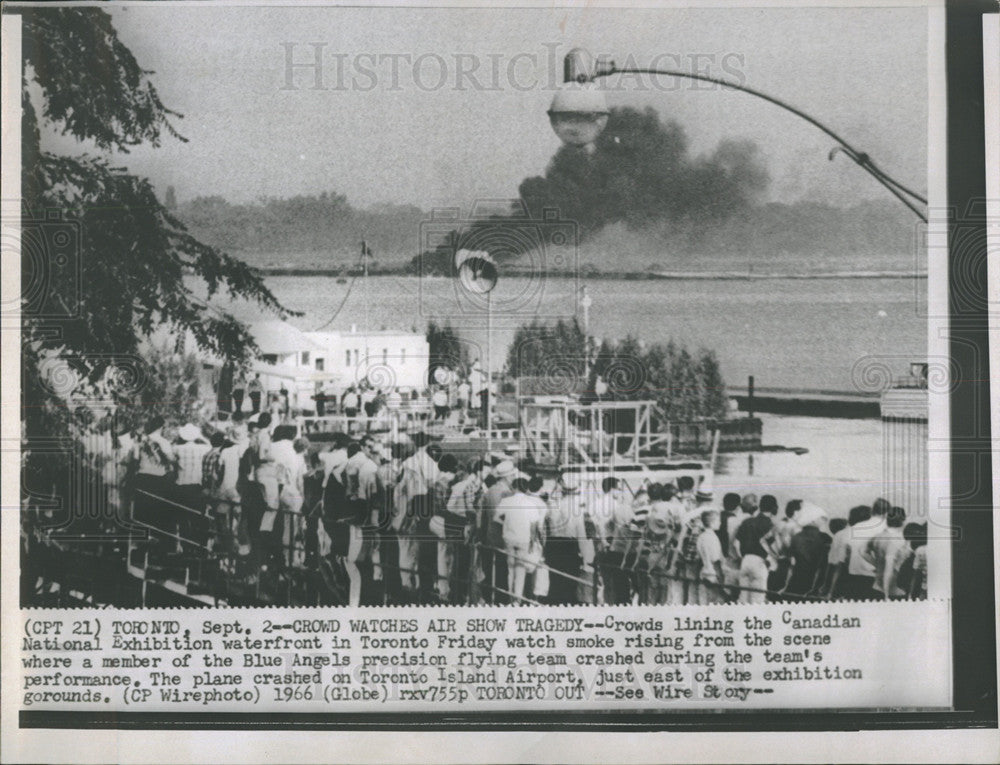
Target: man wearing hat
(808,550)
(491,532)
(568,550)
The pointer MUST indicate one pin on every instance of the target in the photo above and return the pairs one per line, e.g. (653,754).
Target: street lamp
(585,303)
(578,114)
(478,274)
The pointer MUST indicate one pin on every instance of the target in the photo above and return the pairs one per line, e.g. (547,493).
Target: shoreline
(609,275)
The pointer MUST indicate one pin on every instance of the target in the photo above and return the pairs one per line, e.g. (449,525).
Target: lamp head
(578,114)
(477,271)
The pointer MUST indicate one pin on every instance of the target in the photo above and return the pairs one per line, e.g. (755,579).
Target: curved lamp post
(478,274)
(579,113)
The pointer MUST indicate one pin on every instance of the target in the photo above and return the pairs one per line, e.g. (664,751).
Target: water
(842,468)
(793,333)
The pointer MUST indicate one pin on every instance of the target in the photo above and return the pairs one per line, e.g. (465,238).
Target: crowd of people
(407,523)
(458,398)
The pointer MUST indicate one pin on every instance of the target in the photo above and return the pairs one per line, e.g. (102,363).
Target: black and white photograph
(498,316)
(467,315)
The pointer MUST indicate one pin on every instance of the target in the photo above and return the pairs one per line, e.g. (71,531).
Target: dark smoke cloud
(641,173)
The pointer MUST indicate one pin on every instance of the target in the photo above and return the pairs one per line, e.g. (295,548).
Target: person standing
(289,458)
(614,515)
(255,389)
(807,552)
(349,403)
(710,557)
(753,550)
(523,515)
(237,442)
(459,518)
(156,467)
(568,549)
(440,573)
(239,389)
(213,474)
(388,541)
(361,492)
(462,395)
(657,550)
(368,403)
(780,542)
(852,575)
(190,450)
(687,561)
(883,550)
(440,401)
(266,471)
(411,501)
(491,532)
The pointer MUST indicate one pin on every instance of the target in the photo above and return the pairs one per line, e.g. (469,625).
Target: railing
(293,569)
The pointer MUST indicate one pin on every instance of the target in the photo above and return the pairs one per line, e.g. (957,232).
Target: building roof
(278,337)
(335,335)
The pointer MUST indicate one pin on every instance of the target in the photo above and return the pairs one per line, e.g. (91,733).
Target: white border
(158,746)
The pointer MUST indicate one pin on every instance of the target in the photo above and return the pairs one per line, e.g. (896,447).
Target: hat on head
(189,432)
(811,515)
(657,524)
(505,469)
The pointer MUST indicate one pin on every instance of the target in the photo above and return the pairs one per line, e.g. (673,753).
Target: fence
(227,553)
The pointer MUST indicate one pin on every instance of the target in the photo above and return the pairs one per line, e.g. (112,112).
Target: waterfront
(791,333)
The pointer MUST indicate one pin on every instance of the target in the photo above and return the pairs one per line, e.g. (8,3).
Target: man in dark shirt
(753,553)
(808,553)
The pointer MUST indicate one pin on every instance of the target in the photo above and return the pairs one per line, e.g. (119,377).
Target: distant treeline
(641,201)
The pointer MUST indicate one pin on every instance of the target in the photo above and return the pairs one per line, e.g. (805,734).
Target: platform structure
(559,431)
(595,440)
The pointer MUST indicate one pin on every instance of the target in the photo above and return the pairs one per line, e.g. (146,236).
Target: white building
(305,362)
(385,358)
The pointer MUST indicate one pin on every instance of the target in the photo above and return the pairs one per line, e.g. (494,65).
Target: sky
(463,117)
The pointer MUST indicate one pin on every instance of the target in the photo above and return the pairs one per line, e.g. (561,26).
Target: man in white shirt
(156,462)
(334,459)
(360,481)
(710,554)
(349,403)
(853,575)
(612,510)
(189,452)
(523,516)
(289,457)
(411,510)
(440,401)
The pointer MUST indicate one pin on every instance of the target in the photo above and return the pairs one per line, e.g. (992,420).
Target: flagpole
(364,260)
